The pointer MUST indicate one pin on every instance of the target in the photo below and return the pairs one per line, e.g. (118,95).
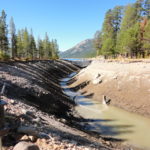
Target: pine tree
(40,48)
(97,42)
(111,27)
(130,23)
(46,46)
(117,18)
(54,49)
(3,34)
(20,52)
(13,38)
(26,44)
(146,39)
(32,46)
(108,41)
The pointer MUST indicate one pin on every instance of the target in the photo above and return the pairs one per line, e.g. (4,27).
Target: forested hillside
(22,44)
(125,31)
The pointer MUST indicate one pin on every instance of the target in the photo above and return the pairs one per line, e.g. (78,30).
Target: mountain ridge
(83,49)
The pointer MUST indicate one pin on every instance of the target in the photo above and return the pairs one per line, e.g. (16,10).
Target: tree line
(22,45)
(125,31)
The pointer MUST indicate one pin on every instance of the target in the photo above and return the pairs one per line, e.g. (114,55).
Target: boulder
(26,146)
(97,81)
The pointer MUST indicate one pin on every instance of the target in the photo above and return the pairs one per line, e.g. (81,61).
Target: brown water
(112,121)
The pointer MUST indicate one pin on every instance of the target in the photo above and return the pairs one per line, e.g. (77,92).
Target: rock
(74,142)
(97,76)
(63,120)
(105,101)
(107,142)
(114,77)
(23,111)
(26,146)
(33,138)
(12,102)
(36,120)
(31,113)
(97,81)
(29,138)
(25,138)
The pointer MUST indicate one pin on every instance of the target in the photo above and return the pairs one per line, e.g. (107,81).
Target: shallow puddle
(111,121)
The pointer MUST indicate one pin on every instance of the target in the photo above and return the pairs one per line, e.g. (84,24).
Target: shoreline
(33,92)
(39,112)
(126,84)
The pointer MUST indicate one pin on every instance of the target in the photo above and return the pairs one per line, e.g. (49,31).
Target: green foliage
(126,33)
(146,37)
(128,41)
(133,39)
(19,44)
(47,49)
(33,53)
(97,42)
(55,49)
(3,33)
(13,38)
(40,48)
(4,56)
(108,47)
(106,40)
(108,34)
(23,44)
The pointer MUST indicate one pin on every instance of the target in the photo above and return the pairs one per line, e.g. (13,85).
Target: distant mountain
(82,50)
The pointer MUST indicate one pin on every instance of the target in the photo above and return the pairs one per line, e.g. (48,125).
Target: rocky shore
(38,115)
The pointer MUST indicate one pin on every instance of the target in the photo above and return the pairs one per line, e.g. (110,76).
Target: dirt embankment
(37,83)
(126,84)
(38,111)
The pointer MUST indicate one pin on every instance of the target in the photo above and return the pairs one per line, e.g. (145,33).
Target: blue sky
(69,21)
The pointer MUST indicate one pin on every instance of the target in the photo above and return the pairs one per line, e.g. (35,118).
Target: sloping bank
(37,83)
(126,84)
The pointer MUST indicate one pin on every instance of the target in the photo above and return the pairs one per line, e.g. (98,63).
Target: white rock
(97,81)
(26,146)
(24,111)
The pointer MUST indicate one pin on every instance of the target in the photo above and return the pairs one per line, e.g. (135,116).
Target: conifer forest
(125,31)
(22,45)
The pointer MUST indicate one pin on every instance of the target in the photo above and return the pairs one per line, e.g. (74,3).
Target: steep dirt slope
(37,83)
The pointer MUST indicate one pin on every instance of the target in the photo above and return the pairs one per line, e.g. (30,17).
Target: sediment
(126,84)
(37,103)
(38,111)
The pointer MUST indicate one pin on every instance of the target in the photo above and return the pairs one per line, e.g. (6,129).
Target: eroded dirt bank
(126,84)
(38,111)
(37,83)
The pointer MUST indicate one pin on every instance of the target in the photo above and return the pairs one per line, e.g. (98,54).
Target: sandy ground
(126,84)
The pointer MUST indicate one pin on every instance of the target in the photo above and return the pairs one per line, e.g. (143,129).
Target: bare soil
(126,84)
(36,101)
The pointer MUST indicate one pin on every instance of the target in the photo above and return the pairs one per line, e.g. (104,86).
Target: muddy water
(111,121)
